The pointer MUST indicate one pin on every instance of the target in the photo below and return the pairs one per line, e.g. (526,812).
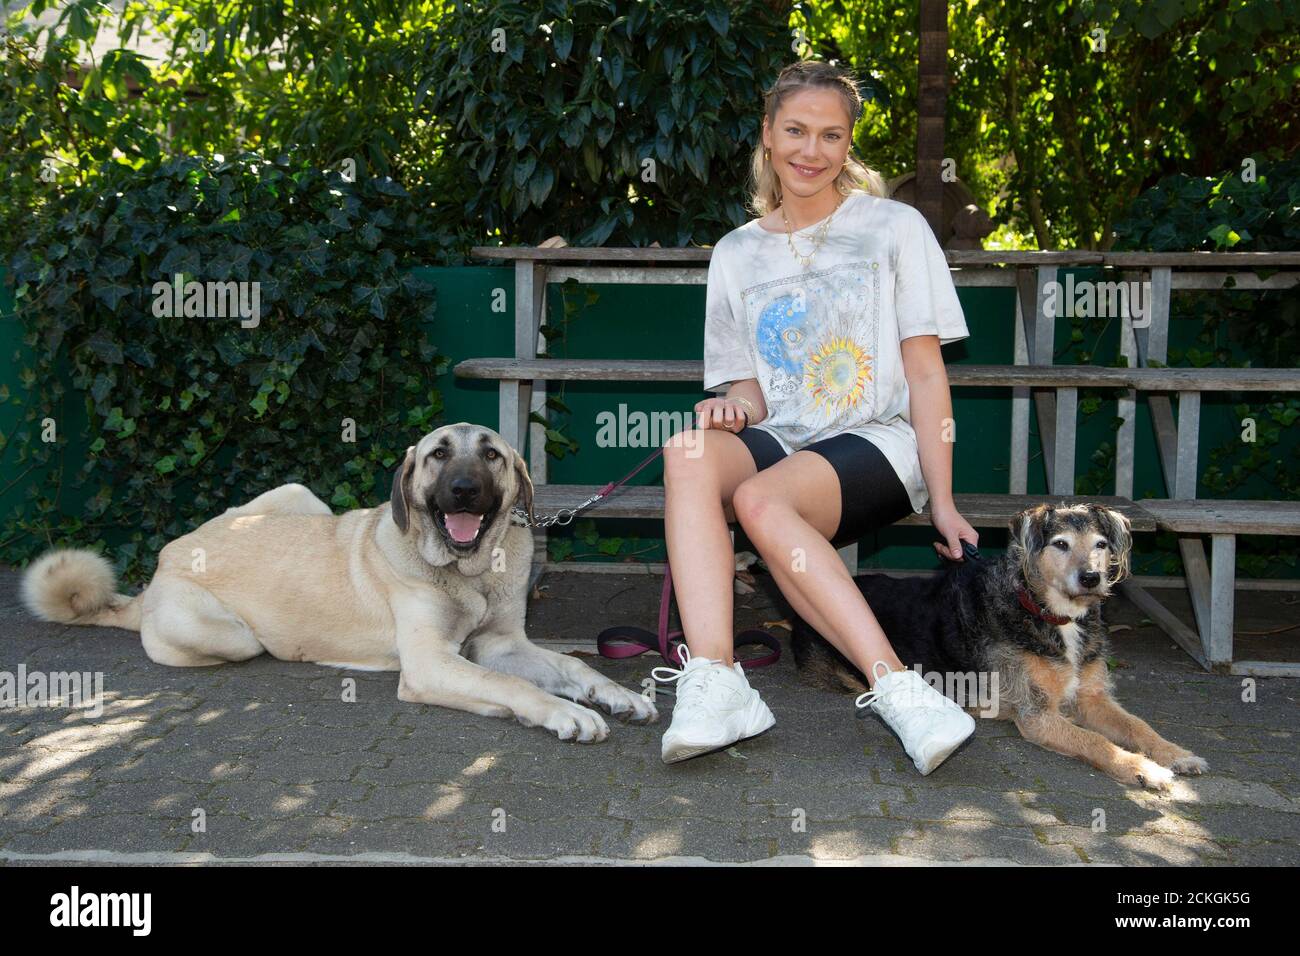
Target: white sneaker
(929,724)
(715,707)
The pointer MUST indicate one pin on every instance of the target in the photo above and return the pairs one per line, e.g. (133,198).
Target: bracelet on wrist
(747,405)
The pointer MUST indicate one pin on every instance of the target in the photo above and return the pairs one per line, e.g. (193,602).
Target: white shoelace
(909,722)
(895,705)
(696,681)
(873,695)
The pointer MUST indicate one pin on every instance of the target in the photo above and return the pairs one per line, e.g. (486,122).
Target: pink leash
(627,641)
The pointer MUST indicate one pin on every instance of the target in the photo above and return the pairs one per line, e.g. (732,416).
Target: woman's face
(810,141)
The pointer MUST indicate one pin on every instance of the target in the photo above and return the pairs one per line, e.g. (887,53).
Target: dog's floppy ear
(525,486)
(1118,531)
(1027,538)
(402,491)
(1027,529)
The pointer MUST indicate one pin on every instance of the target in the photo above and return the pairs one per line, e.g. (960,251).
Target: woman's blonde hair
(765,195)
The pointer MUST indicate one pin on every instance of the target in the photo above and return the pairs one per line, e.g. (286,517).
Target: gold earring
(767,154)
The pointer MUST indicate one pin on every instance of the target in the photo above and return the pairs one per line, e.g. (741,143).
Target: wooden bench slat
(620,255)
(1208,516)
(981,510)
(955,257)
(583,370)
(1143,379)
(1236,260)
(1045,376)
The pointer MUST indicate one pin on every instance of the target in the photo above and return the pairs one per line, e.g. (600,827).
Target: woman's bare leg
(702,469)
(789,512)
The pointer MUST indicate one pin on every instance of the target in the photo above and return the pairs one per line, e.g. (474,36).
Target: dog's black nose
(464,489)
(1090,579)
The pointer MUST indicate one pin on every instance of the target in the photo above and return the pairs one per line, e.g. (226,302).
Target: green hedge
(187,414)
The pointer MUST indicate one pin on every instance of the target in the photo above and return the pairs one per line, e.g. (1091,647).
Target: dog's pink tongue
(463,527)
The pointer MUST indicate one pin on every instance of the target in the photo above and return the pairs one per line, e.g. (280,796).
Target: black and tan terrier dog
(1033,619)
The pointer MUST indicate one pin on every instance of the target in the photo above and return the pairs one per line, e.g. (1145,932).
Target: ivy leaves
(553,133)
(190,413)
(1218,214)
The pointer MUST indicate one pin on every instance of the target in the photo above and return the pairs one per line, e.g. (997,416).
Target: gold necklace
(818,238)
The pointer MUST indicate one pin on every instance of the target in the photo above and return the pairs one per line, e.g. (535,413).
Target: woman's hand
(722,413)
(954,528)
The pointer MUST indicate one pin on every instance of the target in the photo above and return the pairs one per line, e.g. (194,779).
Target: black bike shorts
(871,494)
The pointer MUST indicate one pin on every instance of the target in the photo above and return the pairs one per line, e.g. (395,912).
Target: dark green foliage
(1252,208)
(187,416)
(1258,329)
(564,149)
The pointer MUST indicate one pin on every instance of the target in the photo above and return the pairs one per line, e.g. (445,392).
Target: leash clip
(566,515)
(561,517)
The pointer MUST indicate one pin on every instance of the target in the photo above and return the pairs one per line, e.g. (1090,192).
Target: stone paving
(265,761)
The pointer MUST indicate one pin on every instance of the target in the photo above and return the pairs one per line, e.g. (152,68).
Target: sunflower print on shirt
(815,338)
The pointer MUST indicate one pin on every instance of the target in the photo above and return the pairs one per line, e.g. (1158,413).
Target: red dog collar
(1028,604)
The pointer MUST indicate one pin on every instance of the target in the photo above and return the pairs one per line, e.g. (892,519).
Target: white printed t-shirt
(824,341)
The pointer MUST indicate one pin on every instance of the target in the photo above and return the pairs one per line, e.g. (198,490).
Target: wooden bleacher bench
(1213,600)
(1036,376)
(1052,390)
(981,510)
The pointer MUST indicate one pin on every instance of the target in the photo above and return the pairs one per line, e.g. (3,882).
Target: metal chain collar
(561,517)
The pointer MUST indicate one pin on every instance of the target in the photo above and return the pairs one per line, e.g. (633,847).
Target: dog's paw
(1189,764)
(622,703)
(1149,774)
(570,721)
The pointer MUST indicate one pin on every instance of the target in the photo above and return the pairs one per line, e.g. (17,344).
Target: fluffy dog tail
(75,586)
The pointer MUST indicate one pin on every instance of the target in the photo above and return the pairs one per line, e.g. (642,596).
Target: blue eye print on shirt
(781,338)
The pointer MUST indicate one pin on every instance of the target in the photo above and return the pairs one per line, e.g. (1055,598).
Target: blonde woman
(823,323)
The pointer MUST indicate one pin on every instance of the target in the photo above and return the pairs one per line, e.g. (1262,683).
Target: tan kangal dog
(432,584)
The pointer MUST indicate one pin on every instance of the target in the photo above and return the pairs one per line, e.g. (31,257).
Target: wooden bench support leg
(1177,445)
(1191,548)
(1189,427)
(1166,620)
(1126,411)
(1017,481)
(1218,643)
(530,304)
(525,348)
(1125,443)
(1045,410)
(508,423)
(528,343)
(1042,343)
(1067,403)
(1197,575)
